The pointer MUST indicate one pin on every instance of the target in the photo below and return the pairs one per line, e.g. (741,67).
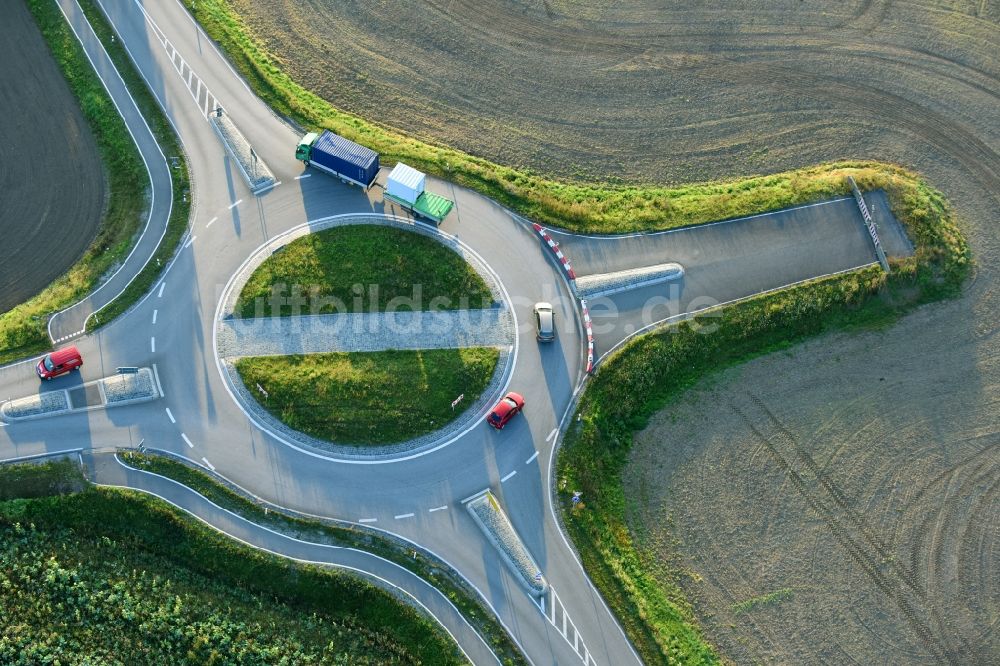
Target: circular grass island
(371,398)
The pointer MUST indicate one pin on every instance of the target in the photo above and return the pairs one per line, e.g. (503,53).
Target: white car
(545,328)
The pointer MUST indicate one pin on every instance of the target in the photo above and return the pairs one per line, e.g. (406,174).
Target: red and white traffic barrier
(555,248)
(589,328)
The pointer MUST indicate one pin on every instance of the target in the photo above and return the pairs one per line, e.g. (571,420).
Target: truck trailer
(339,157)
(405,187)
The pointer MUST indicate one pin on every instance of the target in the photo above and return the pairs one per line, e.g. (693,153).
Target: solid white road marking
(533,456)
(152,345)
(191,240)
(154,315)
(403,515)
(210,222)
(156,376)
(170,415)
(552,434)
(305,175)
(438,508)
(160,294)
(210,465)
(235,204)
(186,440)
(368,520)
(504,479)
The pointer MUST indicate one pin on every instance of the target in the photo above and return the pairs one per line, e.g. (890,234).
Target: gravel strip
(255,172)
(490,517)
(364,332)
(129,388)
(604,284)
(43,404)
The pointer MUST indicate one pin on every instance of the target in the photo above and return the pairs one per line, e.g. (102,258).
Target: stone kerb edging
(365,453)
(492,520)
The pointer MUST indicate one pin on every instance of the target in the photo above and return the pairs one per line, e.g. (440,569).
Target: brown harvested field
(51,174)
(855,479)
(867,508)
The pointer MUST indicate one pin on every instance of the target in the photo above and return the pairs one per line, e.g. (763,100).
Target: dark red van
(59,362)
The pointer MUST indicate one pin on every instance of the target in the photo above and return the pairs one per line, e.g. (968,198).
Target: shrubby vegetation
(116,577)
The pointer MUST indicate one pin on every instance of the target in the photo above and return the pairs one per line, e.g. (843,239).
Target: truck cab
(304,149)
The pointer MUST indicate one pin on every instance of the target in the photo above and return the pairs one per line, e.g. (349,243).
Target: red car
(505,410)
(59,362)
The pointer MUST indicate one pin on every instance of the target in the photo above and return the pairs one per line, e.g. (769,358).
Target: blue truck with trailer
(339,157)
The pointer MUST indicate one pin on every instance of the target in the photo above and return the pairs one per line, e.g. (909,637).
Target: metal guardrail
(872,229)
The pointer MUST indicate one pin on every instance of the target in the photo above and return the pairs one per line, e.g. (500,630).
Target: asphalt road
(418,497)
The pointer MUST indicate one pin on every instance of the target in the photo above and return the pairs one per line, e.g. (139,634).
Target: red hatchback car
(59,362)
(505,410)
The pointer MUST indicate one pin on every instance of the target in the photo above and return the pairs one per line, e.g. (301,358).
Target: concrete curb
(495,524)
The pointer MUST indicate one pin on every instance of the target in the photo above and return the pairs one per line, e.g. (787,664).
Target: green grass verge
(590,207)
(40,479)
(115,575)
(652,370)
(429,569)
(362,268)
(23,328)
(370,398)
(180,211)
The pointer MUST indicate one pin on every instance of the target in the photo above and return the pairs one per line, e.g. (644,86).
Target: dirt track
(868,508)
(50,171)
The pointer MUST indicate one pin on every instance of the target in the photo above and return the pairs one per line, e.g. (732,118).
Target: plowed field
(51,177)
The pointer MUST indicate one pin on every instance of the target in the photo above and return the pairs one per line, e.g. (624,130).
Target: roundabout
(424,491)
(366,328)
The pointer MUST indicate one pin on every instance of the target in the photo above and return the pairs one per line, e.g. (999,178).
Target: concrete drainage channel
(113,391)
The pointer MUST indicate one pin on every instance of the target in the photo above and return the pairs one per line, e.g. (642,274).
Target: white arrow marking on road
(533,456)
(152,345)
(438,508)
(188,441)
(154,315)
(210,465)
(504,479)
(234,205)
(552,434)
(162,285)
(170,415)
(404,515)
(368,520)
(210,222)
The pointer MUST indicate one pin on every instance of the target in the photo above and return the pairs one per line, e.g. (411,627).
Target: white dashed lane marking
(305,175)
(152,345)
(404,515)
(208,464)
(504,479)
(160,294)
(552,434)
(368,520)
(170,415)
(211,222)
(438,508)
(533,456)
(188,244)
(235,204)
(186,440)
